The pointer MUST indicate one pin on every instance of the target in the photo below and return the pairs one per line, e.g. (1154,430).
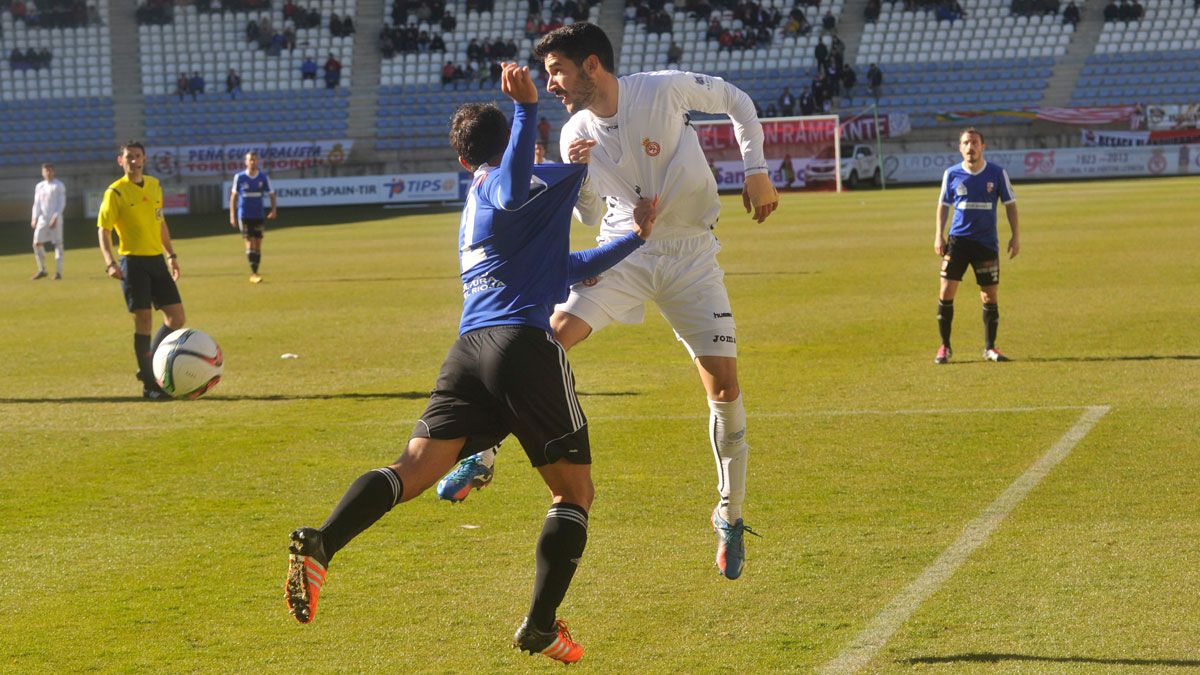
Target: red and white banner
(1117,139)
(797,136)
(228,159)
(1096,115)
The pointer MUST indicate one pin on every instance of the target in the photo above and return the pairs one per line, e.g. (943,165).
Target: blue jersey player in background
(246,211)
(506,374)
(972,189)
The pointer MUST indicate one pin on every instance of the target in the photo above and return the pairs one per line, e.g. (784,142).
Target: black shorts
(147,281)
(961,252)
(508,379)
(252,228)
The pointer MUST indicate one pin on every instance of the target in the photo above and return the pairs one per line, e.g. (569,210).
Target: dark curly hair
(577,42)
(478,132)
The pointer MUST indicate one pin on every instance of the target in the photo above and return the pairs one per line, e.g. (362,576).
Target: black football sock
(254,257)
(991,323)
(163,332)
(366,500)
(559,549)
(945,317)
(141,349)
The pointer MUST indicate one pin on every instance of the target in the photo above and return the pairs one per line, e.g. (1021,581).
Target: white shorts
(44,234)
(682,277)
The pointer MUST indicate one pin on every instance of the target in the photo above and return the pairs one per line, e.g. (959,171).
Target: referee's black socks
(163,332)
(366,500)
(141,349)
(564,536)
(991,323)
(945,317)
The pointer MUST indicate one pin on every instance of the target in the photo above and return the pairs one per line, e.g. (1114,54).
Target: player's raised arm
(714,95)
(516,167)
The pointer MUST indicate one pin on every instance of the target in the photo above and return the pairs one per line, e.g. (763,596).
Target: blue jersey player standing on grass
(246,211)
(973,188)
(506,373)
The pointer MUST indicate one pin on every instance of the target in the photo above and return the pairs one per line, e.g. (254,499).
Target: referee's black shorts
(147,282)
(961,252)
(508,379)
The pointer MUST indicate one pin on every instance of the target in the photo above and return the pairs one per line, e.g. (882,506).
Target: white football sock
(727,434)
(58,258)
(41,258)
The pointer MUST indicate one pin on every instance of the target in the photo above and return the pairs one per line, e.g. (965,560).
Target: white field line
(859,652)
(319,423)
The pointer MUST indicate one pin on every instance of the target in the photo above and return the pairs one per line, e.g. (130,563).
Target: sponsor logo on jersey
(961,190)
(991,187)
(652,147)
(724,338)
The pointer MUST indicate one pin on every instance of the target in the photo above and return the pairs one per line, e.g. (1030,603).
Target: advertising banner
(1162,117)
(227,159)
(1117,139)
(392,189)
(1054,163)
(175,201)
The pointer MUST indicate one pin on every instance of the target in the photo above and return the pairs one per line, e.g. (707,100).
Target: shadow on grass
(348,396)
(986,657)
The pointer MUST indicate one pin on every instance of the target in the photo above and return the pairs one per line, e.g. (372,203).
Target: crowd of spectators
(408,40)
(263,35)
(216,6)
(1126,11)
(53,13)
(155,13)
(341,26)
(487,72)
(30,59)
(1035,7)
(425,11)
(189,86)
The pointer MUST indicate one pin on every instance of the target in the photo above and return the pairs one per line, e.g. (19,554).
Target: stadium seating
(275,103)
(1149,61)
(989,60)
(643,51)
(414,105)
(62,113)
(212,43)
(506,21)
(255,116)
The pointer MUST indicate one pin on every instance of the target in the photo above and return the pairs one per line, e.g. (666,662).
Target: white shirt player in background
(635,135)
(49,200)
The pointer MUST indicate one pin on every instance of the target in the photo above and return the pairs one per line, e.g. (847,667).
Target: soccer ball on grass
(188,363)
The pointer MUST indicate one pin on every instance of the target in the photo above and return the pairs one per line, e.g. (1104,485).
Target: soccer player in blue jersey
(506,373)
(246,210)
(972,189)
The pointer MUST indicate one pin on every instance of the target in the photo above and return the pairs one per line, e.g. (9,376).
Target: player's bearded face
(573,85)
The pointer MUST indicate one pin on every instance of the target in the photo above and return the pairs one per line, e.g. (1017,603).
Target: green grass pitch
(142,537)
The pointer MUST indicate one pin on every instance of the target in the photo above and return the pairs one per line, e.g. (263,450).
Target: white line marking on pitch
(863,648)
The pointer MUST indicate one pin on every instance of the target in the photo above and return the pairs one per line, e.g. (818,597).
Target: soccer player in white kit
(634,134)
(49,200)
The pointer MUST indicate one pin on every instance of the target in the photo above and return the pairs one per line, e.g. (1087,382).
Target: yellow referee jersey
(135,212)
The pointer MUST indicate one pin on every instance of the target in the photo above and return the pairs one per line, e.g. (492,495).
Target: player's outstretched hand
(1014,247)
(645,212)
(516,82)
(759,196)
(580,150)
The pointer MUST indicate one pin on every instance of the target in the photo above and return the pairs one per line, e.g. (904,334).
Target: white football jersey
(49,199)
(649,148)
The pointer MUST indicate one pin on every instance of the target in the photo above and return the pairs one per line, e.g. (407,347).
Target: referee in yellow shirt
(133,207)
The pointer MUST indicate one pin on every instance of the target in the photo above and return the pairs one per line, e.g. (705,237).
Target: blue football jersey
(514,237)
(973,197)
(251,191)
